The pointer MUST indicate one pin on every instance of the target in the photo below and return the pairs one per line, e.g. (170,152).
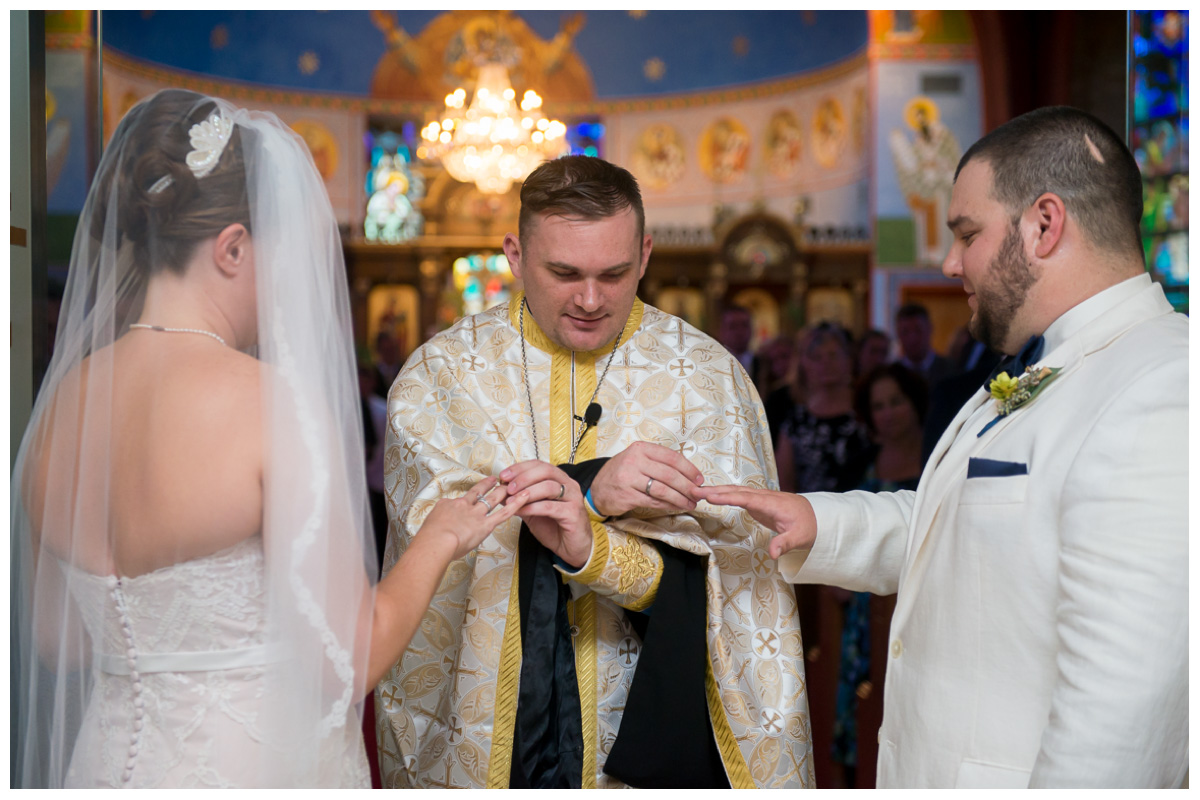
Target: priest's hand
(554,510)
(646,475)
(789,515)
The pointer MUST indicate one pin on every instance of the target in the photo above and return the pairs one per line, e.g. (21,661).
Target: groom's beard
(1010,277)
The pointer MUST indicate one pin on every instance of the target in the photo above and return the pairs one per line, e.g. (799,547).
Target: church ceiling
(415,54)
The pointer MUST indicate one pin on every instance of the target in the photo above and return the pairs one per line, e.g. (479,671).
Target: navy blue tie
(1015,366)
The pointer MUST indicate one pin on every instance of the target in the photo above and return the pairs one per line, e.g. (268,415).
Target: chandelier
(493,143)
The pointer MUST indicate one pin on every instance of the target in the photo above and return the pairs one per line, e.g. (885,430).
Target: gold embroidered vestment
(458,413)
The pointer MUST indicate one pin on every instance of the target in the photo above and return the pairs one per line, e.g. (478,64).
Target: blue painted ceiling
(337,51)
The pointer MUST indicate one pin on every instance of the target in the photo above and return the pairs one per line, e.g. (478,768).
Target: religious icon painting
(685,302)
(829,132)
(783,144)
(925,160)
(725,150)
(658,156)
(858,119)
(394,309)
(830,304)
(764,313)
(321,144)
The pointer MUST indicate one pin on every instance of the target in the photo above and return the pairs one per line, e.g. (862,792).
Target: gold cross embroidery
(625,367)
(684,410)
(424,361)
(737,415)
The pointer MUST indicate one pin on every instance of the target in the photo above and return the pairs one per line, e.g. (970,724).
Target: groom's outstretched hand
(789,515)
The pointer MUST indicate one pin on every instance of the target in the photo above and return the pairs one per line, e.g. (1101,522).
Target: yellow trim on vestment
(573,377)
(536,337)
(585,670)
(731,755)
(594,568)
(560,406)
(593,515)
(504,717)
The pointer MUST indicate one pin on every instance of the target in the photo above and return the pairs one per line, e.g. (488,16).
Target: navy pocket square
(989,468)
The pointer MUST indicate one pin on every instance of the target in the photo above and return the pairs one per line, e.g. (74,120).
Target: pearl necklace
(163,329)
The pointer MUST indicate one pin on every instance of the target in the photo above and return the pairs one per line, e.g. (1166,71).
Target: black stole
(666,737)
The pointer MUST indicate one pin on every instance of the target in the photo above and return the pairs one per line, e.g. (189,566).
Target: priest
(619,633)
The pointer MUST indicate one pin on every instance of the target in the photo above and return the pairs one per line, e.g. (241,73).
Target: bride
(191,553)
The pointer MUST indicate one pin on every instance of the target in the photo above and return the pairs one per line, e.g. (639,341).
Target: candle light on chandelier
(493,143)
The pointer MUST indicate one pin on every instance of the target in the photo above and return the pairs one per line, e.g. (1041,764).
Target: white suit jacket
(1040,635)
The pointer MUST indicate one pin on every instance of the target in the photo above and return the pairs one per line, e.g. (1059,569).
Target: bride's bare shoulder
(226,380)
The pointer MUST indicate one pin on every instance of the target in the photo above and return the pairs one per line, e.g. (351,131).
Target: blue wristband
(592,504)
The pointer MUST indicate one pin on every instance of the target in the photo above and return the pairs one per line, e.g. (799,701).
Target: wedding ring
(562,489)
(490,507)
(648,485)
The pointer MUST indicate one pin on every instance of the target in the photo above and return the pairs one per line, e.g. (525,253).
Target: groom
(1040,636)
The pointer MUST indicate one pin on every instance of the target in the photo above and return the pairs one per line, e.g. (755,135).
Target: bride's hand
(466,521)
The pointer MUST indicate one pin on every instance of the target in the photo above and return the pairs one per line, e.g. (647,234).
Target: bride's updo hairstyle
(164,209)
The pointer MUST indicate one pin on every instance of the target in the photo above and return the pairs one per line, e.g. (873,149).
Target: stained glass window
(586,138)
(393,189)
(476,283)
(1159,139)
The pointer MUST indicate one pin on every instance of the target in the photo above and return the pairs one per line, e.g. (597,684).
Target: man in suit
(1040,636)
(972,369)
(914,331)
(735,333)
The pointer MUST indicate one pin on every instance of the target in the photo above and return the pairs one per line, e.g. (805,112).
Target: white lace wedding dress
(181,684)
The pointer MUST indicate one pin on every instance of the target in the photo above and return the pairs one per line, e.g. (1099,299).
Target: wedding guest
(388,360)
(822,444)
(374,417)
(735,333)
(914,332)
(776,376)
(874,350)
(891,401)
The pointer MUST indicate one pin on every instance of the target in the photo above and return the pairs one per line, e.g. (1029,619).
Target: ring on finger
(649,483)
(562,489)
(490,507)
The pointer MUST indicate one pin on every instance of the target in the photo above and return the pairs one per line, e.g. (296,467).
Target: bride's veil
(315,517)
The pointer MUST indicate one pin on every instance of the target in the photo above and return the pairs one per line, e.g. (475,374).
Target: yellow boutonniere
(1003,387)
(1011,393)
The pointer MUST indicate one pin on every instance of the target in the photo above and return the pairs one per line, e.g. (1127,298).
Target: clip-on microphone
(591,416)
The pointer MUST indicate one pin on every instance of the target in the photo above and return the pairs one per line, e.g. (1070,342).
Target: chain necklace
(529,391)
(163,329)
